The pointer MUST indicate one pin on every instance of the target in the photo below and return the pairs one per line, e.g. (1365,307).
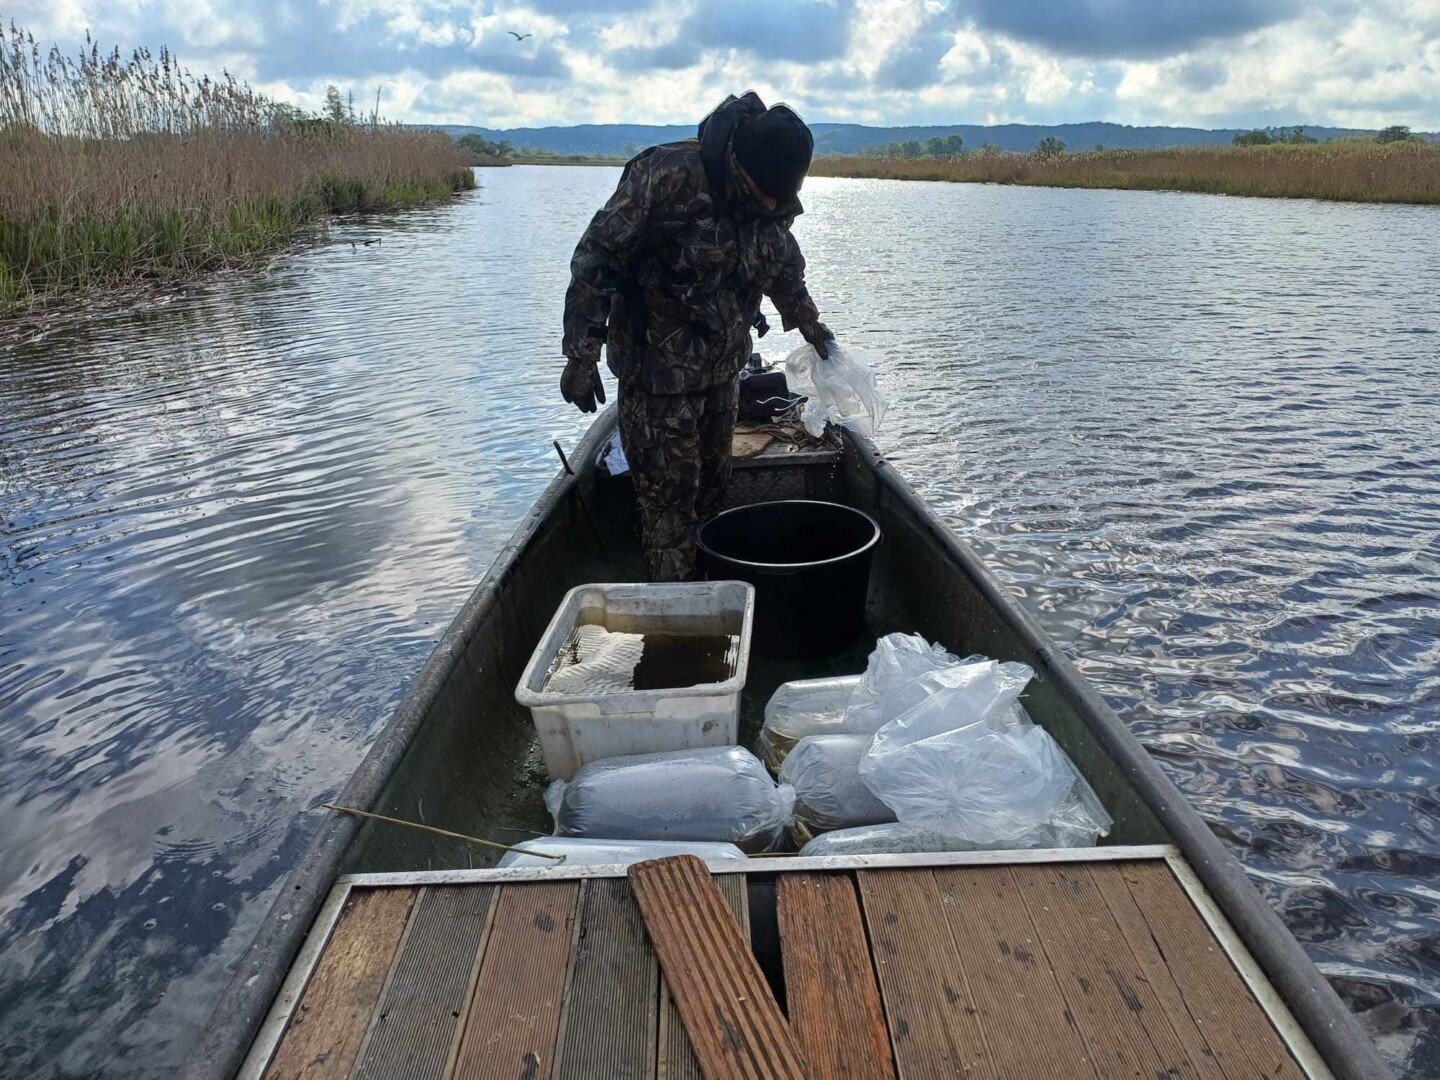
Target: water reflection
(233,525)
(1196,435)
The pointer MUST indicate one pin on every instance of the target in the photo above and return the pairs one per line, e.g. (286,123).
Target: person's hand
(817,334)
(581,386)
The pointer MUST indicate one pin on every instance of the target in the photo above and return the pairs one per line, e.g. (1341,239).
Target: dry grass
(1404,172)
(115,170)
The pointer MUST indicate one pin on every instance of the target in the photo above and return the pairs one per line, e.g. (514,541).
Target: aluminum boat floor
(1104,962)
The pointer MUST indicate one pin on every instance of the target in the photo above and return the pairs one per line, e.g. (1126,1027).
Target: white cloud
(871,61)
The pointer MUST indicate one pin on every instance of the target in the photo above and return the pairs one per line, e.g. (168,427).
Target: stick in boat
(442,832)
(583,504)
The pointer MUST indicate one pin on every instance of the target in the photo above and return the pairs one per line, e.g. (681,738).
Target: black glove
(581,386)
(817,334)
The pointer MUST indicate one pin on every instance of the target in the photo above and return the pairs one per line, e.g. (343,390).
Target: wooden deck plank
(1048,970)
(1135,929)
(414,1023)
(329,1023)
(1117,1011)
(1213,995)
(830,989)
(676,1059)
(611,1014)
(735,1026)
(1028,1024)
(514,1014)
(934,1019)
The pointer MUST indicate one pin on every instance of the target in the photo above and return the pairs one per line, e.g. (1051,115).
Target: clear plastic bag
(614,459)
(839,388)
(801,708)
(720,793)
(896,839)
(890,838)
(829,793)
(967,762)
(1080,818)
(583,851)
(986,786)
(946,699)
(889,685)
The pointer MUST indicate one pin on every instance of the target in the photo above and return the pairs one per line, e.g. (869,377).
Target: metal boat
(460,754)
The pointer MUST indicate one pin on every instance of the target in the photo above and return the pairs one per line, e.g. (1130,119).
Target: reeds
(1348,171)
(115,170)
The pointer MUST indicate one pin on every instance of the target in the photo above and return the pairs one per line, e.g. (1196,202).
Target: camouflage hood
(717,152)
(670,273)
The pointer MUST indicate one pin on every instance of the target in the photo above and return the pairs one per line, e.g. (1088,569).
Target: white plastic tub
(576,729)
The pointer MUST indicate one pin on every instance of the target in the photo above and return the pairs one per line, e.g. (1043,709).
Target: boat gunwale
(768,864)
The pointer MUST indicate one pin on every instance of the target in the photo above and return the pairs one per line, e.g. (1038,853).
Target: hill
(626,139)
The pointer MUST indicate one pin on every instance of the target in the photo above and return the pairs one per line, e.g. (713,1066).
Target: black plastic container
(809,563)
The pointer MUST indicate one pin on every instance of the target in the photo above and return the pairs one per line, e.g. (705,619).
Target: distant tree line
(952,146)
(1296,136)
(484,147)
(944,147)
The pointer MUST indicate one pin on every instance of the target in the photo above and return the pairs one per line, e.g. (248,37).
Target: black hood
(716,131)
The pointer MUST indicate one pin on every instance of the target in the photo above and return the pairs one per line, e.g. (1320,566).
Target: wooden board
(1027,1022)
(414,1024)
(934,1018)
(734,1024)
(329,1024)
(1139,938)
(677,1059)
(611,1014)
(1117,1010)
(830,990)
(1209,992)
(515,1007)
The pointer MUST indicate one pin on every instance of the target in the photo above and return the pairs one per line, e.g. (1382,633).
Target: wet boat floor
(1027,969)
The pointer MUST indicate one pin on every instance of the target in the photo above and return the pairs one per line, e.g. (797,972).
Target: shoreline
(570,159)
(176,230)
(1403,173)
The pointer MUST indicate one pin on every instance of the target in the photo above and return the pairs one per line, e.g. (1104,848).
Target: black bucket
(809,563)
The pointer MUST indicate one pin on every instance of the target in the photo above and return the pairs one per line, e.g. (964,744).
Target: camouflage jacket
(670,278)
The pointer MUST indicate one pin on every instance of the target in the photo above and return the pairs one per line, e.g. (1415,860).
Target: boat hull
(460,753)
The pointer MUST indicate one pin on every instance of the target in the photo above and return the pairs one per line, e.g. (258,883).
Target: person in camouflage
(669,277)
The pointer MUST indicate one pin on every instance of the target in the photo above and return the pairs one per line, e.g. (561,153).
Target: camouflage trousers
(678,448)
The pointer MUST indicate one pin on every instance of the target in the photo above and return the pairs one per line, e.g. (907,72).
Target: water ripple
(1196,436)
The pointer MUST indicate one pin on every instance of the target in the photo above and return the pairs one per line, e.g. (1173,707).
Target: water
(1195,435)
(595,660)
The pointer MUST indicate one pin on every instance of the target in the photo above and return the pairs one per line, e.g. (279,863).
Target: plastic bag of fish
(720,793)
(964,761)
(802,708)
(829,792)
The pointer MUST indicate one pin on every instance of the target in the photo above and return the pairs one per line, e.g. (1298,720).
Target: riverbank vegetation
(115,171)
(1402,170)
(485,153)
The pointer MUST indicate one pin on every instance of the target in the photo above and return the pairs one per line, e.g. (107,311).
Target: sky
(1203,63)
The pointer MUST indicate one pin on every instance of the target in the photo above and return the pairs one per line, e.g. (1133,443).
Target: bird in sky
(518,37)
